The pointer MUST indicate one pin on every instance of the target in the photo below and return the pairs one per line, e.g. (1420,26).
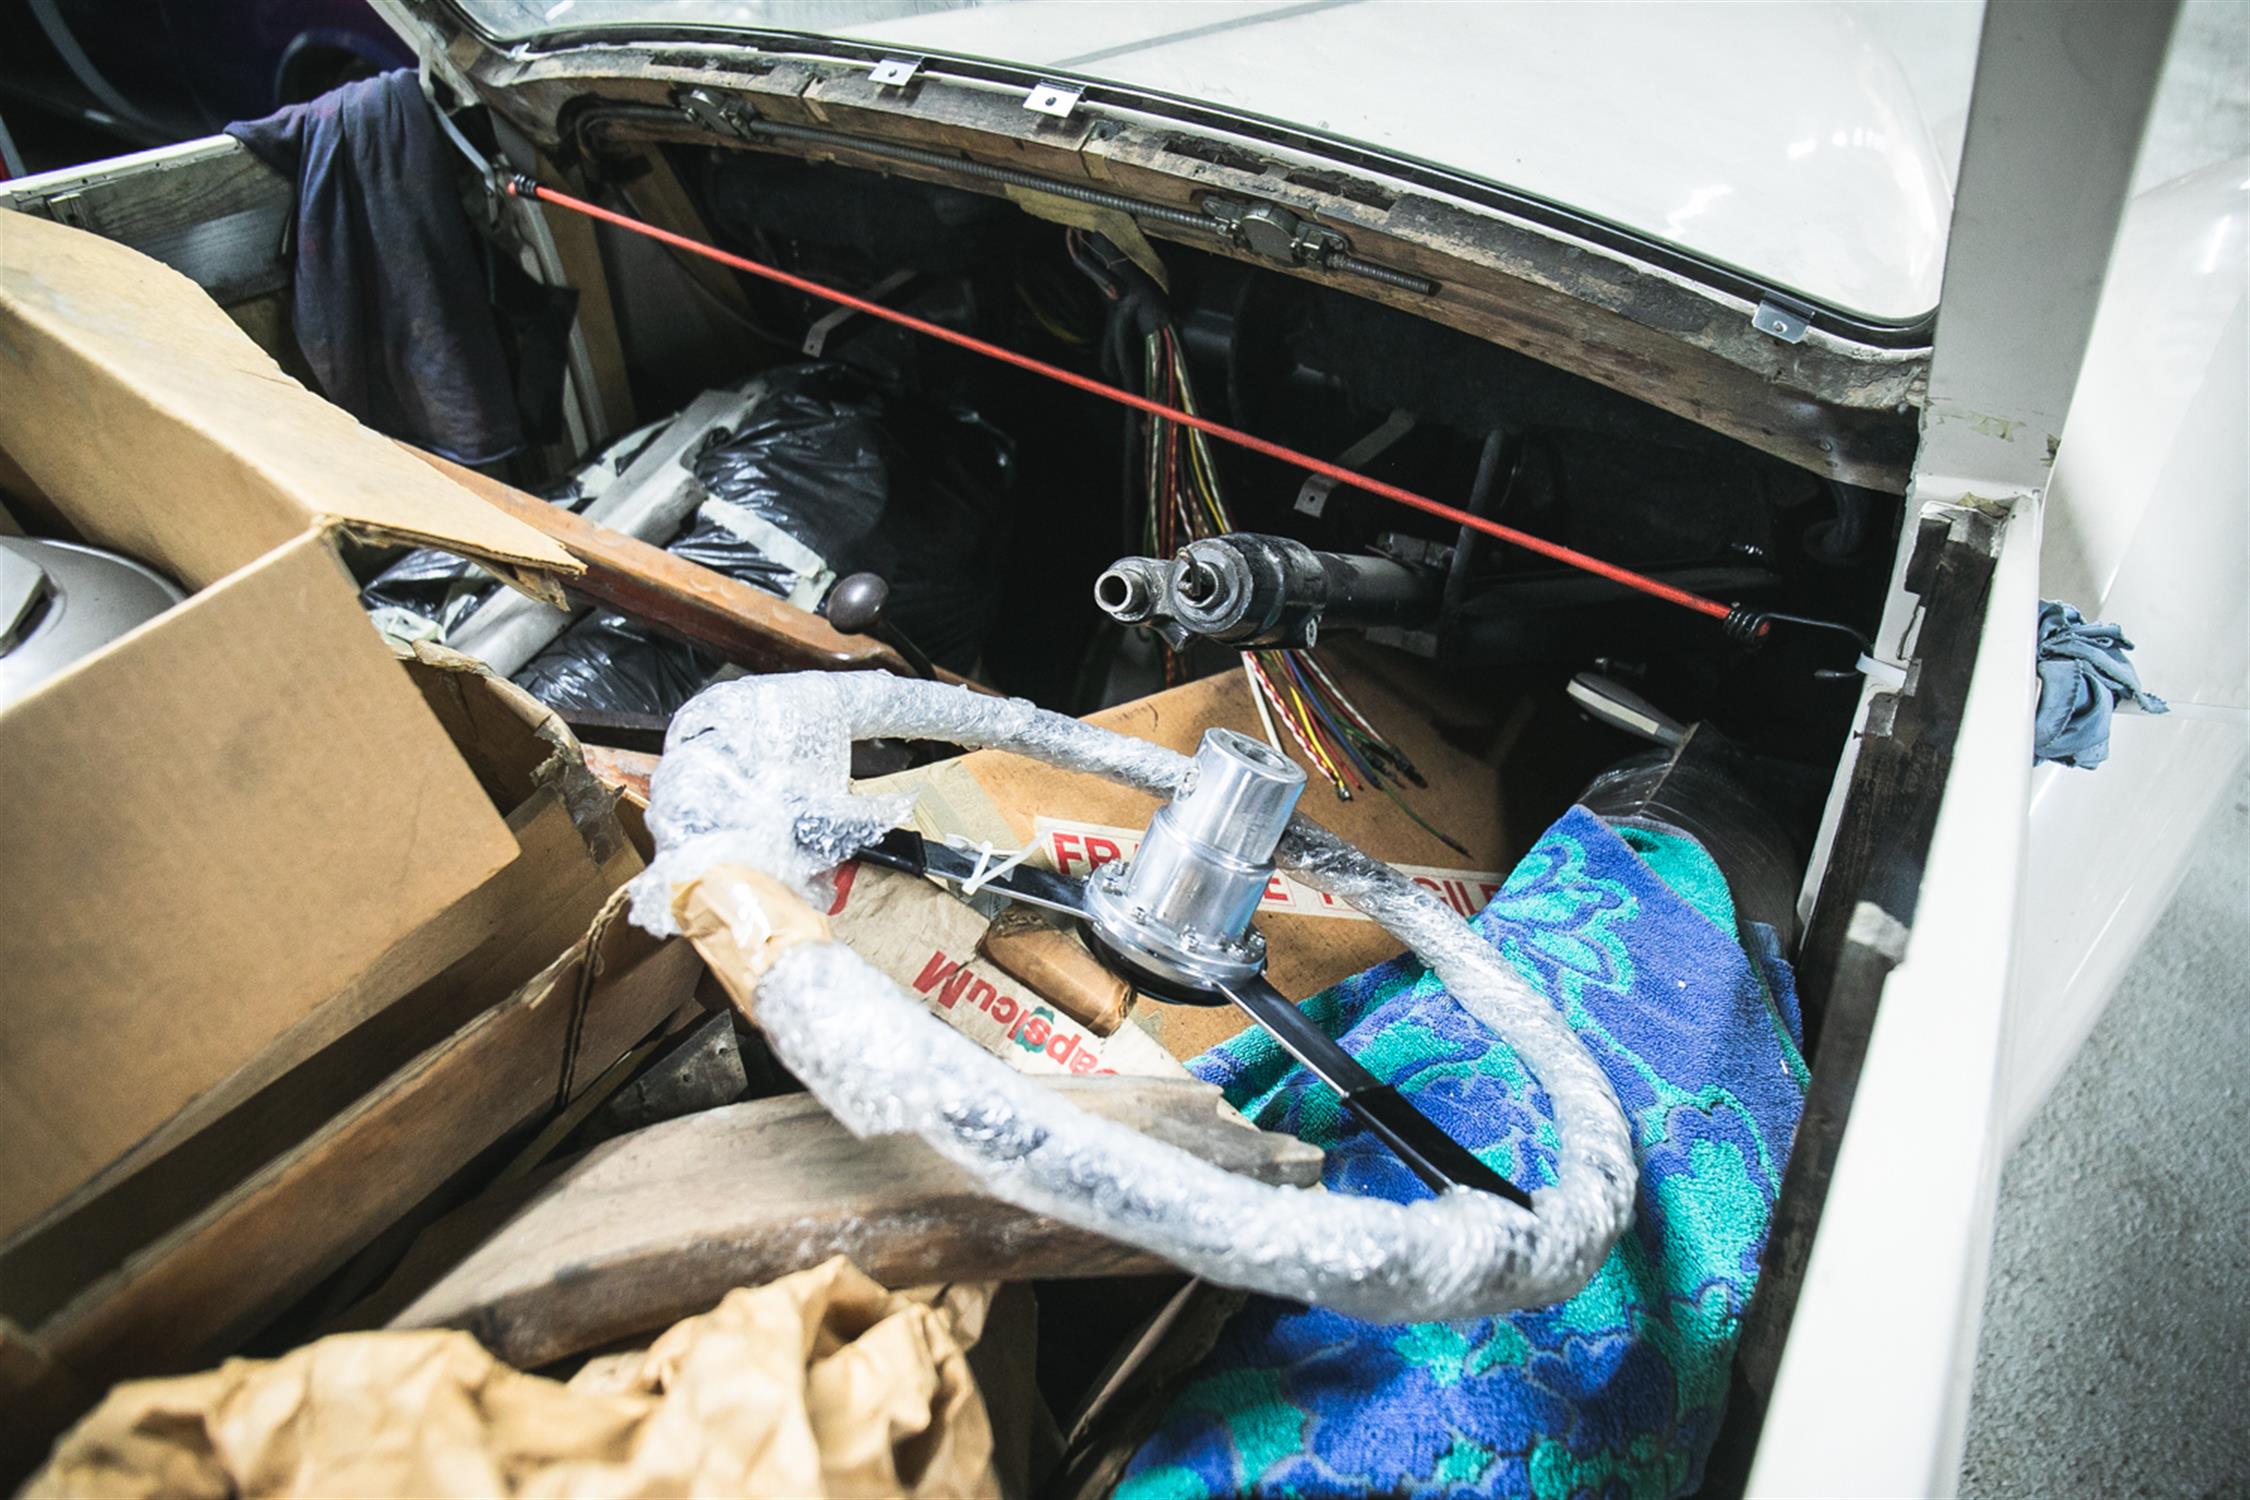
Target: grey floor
(2115,1355)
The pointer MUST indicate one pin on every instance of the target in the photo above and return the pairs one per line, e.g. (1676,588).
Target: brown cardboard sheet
(1077,820)
(144,414)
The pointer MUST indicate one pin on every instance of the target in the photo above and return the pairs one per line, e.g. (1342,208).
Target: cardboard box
(244,809)
(204,1233)
(573,854)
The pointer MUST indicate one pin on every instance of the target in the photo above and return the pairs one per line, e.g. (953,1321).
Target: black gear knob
(855,604)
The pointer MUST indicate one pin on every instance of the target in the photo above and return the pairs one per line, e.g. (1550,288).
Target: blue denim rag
(390,299)
(2082,674)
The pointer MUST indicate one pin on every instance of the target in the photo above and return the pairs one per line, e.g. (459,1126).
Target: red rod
(1655,588)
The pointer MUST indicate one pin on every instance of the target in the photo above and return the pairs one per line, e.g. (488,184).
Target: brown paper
(819,1384)
(741,921)
(926,939)
(1052,960)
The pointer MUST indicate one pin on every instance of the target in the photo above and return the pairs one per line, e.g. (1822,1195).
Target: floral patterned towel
(1617,1391)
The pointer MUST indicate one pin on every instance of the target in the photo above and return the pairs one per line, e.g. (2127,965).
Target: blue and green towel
(1619,1390)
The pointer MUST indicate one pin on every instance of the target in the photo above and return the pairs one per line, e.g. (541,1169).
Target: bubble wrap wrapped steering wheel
(756,777)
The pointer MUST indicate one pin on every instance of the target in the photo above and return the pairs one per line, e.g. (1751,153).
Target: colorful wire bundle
(1291,688)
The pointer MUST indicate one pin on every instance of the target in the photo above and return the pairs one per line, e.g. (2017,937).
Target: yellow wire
(1312,751)
(1199,453)
(1044,320)
(1304,716)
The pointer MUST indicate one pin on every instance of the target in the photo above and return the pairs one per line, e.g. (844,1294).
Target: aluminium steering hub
(1181,907)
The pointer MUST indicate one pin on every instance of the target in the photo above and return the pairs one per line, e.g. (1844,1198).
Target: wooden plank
(935,112)
(656,1225)
(706,608)
(209,209)
(653,192)
(580,253)
(224,1273)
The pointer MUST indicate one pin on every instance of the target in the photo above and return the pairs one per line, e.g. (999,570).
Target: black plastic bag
(869,483)
(607,664)
(877,485)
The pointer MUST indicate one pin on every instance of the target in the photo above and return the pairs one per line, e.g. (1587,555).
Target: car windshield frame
(642,29)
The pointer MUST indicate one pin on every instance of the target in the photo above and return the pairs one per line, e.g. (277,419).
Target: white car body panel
(2147,524)
(1872,1393)
(1809,165)
(1873,1390)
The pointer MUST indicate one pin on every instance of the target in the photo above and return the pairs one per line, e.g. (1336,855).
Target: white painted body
(1808,165)
(2040,883)
(2147,524)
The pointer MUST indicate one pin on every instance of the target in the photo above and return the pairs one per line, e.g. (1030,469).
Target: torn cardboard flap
(135,399)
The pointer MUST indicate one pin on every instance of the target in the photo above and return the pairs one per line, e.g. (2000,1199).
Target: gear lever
(855,606)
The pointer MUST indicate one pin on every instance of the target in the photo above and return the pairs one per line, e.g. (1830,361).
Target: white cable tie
(1888,675)
(985,870)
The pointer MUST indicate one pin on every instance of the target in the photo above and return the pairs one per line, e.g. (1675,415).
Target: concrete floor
(2115,1354)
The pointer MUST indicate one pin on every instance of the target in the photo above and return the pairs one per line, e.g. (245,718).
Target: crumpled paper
(819,1384)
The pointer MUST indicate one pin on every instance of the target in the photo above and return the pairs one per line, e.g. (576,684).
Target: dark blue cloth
(2082,674)
(390,302)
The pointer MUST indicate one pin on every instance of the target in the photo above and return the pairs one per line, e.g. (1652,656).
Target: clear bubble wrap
(756,773)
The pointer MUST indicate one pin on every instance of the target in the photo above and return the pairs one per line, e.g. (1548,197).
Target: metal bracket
(1312,495)
(1057,99)
(816,337)
(717,113)
(1786,321)
(894,72)
(489,176)
(1271,231)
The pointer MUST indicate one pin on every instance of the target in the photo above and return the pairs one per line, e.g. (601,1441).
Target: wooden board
(207,208)
(659,1224)
(703,607)
(654,192)
(581,257)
